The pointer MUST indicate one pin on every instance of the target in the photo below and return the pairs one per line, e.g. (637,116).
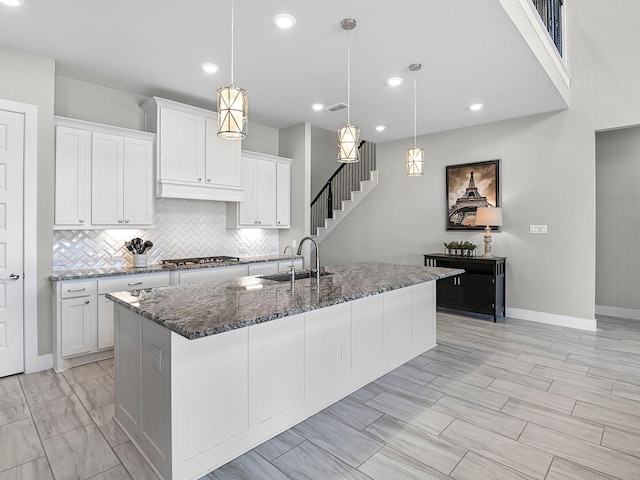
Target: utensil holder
(139,260)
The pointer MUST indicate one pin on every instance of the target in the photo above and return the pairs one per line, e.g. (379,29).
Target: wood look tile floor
(513,400)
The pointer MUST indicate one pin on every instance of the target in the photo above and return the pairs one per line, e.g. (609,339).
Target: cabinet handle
(134,283)
(76,289)
(126,221)
(86,302)
(120,221)
(208,180)
(199,179)
(81,220)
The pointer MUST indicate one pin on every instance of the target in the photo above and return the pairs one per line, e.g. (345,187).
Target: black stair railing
(551,13)
(344,180)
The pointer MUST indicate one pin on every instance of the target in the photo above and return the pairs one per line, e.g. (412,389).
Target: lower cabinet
(481,289)
(78,325)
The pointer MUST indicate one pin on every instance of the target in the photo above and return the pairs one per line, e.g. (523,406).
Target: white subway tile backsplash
(184,228)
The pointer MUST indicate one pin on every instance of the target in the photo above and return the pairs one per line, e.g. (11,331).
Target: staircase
(346,188)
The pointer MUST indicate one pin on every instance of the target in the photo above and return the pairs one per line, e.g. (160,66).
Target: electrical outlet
(157,358)
(537,229)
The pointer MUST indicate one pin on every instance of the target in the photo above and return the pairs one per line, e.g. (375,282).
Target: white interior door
(11,242)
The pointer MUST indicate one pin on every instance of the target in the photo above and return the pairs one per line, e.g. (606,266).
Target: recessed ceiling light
(210,67)
(284,20)
(12,3)
(476,106)
(317,106)
(380,128)
(394,81)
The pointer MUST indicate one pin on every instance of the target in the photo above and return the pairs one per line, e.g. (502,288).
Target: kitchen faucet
(317,257)
(292,268)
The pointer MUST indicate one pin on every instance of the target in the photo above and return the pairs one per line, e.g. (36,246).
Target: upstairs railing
(345,180)
(551,13)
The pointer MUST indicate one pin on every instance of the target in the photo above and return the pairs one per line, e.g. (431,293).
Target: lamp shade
(489,216)
(232,113)
(414,161)
(348,139)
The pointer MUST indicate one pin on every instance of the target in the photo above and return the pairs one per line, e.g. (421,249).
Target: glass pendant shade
(348,139)
(232,113)
(414,159)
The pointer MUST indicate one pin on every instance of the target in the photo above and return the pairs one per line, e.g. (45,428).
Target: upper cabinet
(192,162)
(266,181)
(104,176)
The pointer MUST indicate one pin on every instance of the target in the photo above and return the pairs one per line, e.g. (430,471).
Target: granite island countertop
(108,271)
(200,310)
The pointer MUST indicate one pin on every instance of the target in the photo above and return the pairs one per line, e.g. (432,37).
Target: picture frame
(469,186)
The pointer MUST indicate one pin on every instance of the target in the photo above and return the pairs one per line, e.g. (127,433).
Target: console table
(481,289)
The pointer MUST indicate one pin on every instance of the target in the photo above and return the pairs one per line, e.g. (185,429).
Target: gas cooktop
(177,262)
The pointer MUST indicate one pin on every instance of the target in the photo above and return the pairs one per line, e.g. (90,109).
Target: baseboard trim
(619,312)
(41,362)
(553,319)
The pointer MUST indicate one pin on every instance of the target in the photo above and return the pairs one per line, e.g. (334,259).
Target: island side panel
(423,316)
(143,386)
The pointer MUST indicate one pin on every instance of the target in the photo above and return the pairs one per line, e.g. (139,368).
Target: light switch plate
(537,229)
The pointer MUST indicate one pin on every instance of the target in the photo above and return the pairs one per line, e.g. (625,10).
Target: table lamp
(488,217)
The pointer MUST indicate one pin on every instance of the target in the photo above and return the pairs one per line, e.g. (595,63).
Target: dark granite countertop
(155,268)
(204,309)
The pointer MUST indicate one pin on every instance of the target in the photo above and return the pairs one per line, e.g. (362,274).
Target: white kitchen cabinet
(283,194)
(113,181)
(263,268)
(192,162)
(266,205)
(121,180)
(83,316)
(201,275)
(276,368)
(72,181)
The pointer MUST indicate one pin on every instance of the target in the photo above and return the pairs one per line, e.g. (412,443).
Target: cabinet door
(182,144)
(266,193)
(477,292)
(222,164)
(107,154)
(263,268)
(72,157)
(78,326)
(447,291)
(397,324)
(138,182)
(283,194)
(105,322)
(247,214)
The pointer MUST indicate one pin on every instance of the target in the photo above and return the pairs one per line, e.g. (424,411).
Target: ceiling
(469,49)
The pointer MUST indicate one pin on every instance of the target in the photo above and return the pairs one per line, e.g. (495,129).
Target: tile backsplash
(184,228)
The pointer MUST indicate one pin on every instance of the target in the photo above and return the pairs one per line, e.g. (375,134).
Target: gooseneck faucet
(317,256)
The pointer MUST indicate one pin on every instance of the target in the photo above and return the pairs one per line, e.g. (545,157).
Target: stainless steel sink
(285,277)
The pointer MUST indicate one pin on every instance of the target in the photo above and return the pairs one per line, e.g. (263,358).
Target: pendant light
(414,156)
(232,106)
(348,135)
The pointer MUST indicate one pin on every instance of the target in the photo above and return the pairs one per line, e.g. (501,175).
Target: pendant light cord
(232,42)
(349,77)
(415,109)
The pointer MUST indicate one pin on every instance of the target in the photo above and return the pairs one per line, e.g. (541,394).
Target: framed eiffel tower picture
(469,186)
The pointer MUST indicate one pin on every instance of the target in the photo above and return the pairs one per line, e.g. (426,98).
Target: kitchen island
(206,372)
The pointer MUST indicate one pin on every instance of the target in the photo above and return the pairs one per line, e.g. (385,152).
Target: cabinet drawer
(284,266)
(133,282)
(81,288)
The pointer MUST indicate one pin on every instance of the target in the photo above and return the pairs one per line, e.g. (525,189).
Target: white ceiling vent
(336,107)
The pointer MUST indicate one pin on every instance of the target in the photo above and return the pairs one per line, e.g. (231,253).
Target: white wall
(618,230)
(29,79)
(548,177)
(324,152)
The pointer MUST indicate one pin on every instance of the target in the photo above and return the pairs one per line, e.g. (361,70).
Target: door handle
(13,276)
